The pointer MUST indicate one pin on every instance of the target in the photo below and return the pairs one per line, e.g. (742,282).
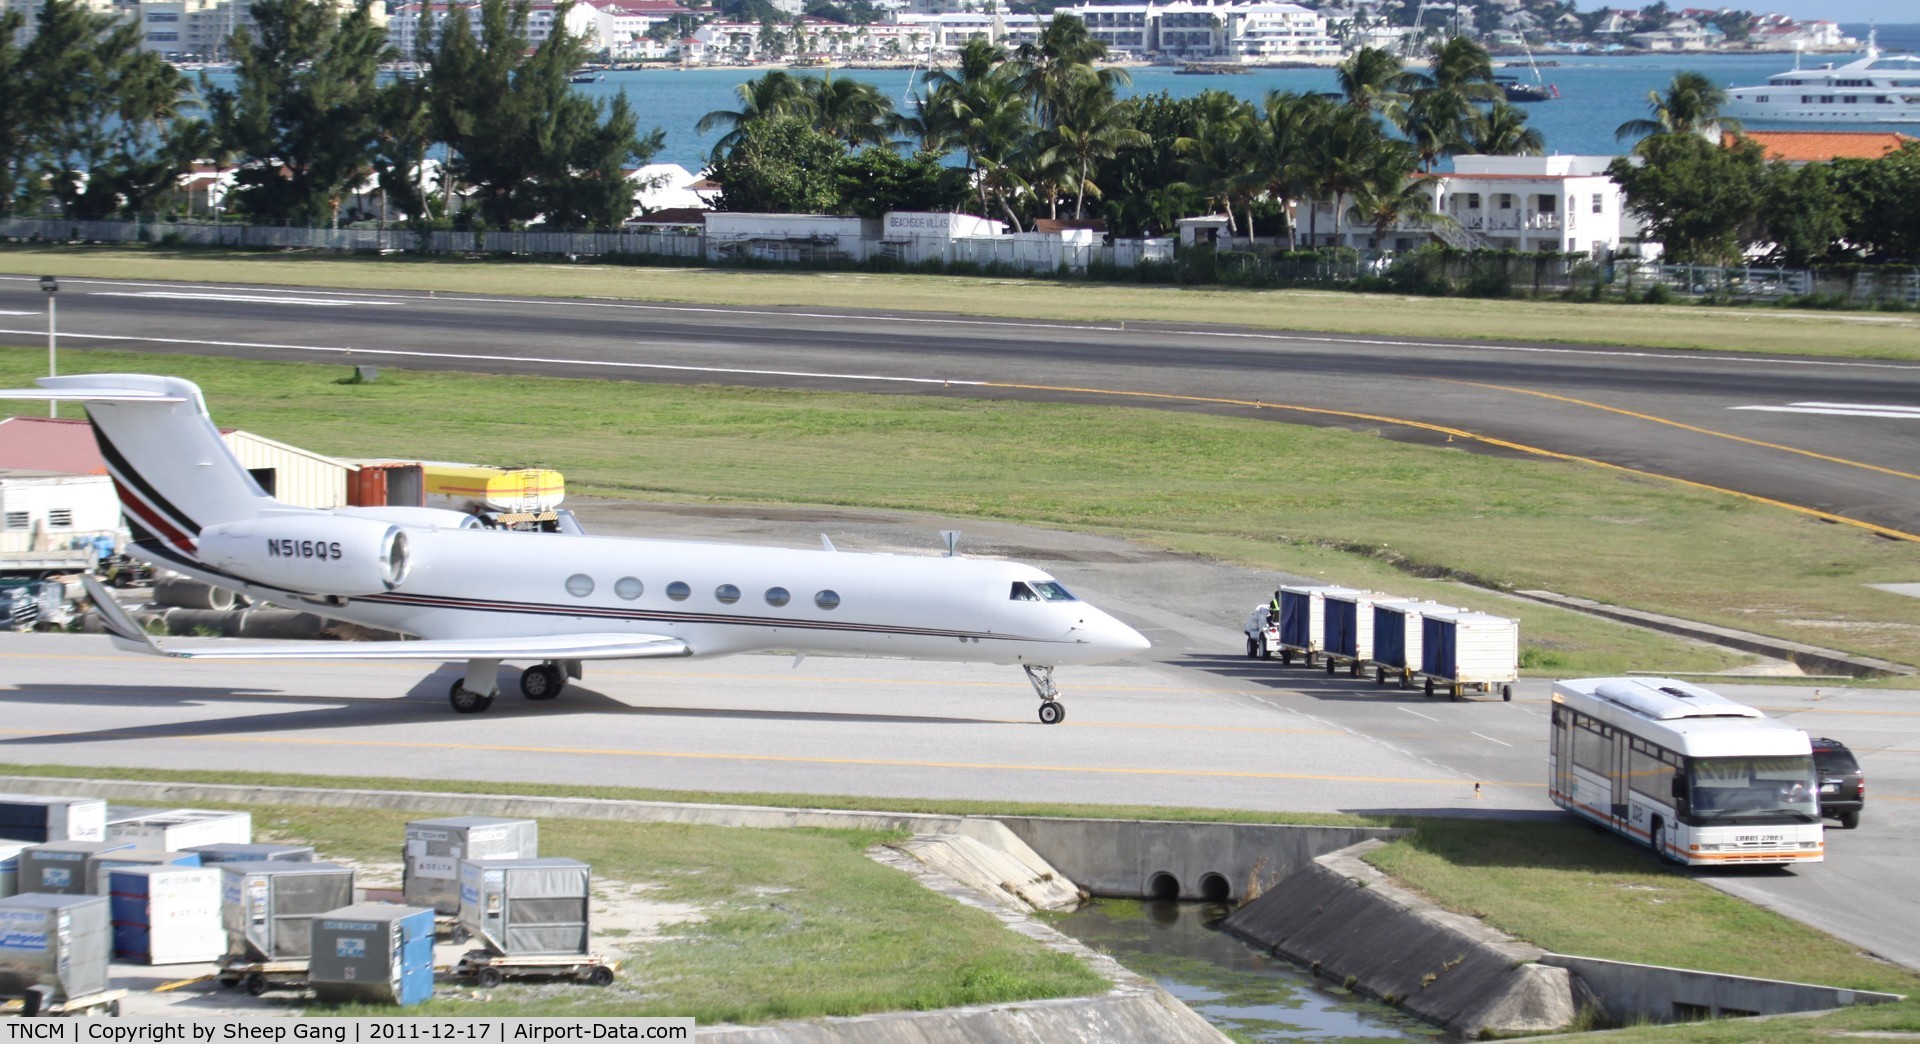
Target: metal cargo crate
(267,908)
(522,907)
(166,914)
(10,867)
(183,828)
(1396,639)
(63,867)
(1347,627)
(211,855)
(430,869)
(1302,619)
(374,953)
(1466,650)
(63,942)
(36,819)
(98,867)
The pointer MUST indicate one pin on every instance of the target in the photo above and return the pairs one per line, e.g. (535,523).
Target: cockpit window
(1040,591)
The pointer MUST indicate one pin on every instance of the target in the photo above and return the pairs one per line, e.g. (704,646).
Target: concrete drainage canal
(1249,994)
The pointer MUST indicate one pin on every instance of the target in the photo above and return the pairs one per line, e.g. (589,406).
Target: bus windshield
(1753,788)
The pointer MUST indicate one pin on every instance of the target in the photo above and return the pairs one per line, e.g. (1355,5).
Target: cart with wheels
(487,969)
(1302,620)
(260,976)
(1347,635)
(450,928)
(1464,652)
(37,1003)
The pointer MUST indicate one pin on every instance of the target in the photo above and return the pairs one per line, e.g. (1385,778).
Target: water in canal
(1248,994)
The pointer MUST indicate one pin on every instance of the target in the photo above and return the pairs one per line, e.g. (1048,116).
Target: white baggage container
(167,914)
(1396,639)
(182,828)
(430,874)
(1465,650)
(36,819)
(1346,634)
(1303,611)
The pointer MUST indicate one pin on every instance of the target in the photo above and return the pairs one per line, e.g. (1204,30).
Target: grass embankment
(1559,885)
(792,924)
(1753,329)
(1349,507)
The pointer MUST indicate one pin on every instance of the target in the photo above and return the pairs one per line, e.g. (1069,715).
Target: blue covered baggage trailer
(1302,620)
(1466,651)
(1347,628)
(1396,640)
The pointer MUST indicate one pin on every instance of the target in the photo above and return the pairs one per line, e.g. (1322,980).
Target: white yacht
(1874,88)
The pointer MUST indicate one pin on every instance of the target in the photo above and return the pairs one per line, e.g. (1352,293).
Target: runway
(1833,437)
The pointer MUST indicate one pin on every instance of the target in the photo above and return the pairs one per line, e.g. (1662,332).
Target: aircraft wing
(128,634)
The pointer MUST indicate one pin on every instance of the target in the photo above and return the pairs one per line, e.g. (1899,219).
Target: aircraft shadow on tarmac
(425,702)
(1313,682)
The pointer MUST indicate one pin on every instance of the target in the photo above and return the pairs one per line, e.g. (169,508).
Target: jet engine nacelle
(311,554)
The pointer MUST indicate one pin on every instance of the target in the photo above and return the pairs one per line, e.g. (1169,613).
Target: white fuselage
(1874,89)
(476,583)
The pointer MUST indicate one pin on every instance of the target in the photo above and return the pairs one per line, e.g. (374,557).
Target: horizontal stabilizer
(128,635)
(96,388)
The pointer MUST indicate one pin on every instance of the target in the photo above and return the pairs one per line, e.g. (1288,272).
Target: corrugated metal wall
(303,479)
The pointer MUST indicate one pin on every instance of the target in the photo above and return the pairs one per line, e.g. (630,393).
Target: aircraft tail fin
(173,474)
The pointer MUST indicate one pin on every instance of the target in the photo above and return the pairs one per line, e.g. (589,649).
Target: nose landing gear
(1052,711)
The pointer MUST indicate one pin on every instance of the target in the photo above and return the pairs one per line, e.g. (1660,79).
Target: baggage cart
(1463,651)
(260,976)
(487,969)
(1396,640)
(1346,635)
(59,945)
(36,819)
(38,1003)
(1303,610)
(527,907)
(376,953)
(430,865)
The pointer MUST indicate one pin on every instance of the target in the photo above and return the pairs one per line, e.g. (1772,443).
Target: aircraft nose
(1123,640)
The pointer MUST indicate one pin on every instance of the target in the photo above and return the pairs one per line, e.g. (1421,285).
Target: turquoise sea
(1597,93)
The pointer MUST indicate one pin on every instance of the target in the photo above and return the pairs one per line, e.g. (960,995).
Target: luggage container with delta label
(1464,651)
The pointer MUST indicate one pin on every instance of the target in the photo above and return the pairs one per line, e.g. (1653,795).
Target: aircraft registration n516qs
(489,596)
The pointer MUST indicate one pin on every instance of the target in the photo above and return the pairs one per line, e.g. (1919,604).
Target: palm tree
(1442,116)
(1373,80)
(1690,106)
(1388,195)
(1345,156)
(853,111)
(1503,131)
(1093,126)
(1288,124)
(1047,68)
(778,93)
(1223,153)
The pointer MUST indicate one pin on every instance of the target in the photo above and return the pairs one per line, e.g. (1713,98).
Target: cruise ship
(1875,88)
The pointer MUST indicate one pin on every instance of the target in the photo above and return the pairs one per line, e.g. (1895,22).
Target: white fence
(1030,252)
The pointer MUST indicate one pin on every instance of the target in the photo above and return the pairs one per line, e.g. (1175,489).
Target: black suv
(1843,788)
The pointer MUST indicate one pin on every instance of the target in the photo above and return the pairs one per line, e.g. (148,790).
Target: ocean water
(1597,93)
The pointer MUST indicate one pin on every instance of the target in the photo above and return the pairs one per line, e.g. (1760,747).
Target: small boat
(586,76)
(1210,69)
(1518,90)
(1874,88)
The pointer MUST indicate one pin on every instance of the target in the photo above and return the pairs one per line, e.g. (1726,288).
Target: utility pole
(51,287)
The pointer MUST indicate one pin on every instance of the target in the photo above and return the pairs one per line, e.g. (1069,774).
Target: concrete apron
(1347,921)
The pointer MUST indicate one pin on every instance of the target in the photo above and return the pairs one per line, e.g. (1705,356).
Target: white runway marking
(1841,409)
(19,313)
(475,357)
(1490,739)
(325,302)
(1416,714)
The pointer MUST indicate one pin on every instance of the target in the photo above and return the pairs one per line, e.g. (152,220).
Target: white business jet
(490,596)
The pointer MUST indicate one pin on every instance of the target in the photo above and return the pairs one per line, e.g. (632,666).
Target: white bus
(1698,778)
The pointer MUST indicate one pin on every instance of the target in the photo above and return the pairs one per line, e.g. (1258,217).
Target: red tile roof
(45,444)
(1822,146)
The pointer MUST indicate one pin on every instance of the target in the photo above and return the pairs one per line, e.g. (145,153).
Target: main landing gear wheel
(466,701)
(1052,713)
(542,681)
